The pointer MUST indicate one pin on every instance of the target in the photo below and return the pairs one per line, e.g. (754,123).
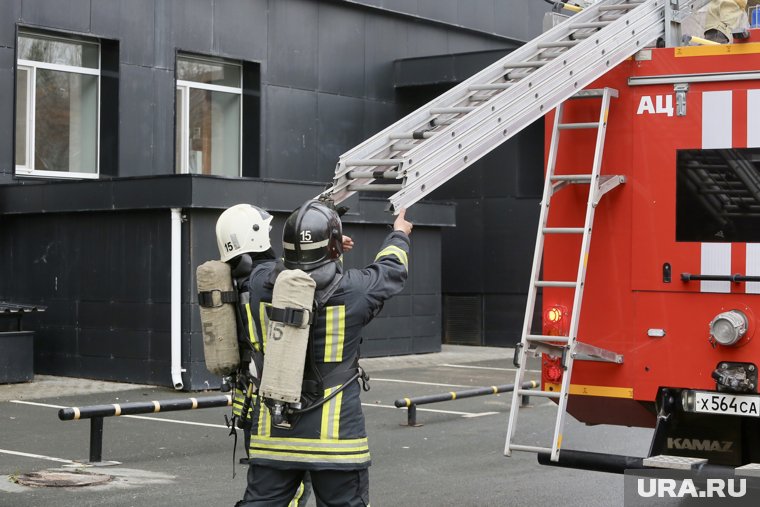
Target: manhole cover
(61,479)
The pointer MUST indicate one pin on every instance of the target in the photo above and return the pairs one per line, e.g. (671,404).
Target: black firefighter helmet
(312,236)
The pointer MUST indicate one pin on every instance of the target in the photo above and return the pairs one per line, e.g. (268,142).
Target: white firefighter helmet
(243,228)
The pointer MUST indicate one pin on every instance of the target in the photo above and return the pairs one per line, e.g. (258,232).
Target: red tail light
(556,320)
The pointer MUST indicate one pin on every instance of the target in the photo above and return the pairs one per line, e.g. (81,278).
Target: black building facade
(127,126)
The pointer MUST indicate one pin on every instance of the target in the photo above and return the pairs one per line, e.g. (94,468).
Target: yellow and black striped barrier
(411,403)
(96,413)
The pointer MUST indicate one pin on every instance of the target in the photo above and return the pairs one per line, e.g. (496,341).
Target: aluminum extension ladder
(565,347)
(428,147)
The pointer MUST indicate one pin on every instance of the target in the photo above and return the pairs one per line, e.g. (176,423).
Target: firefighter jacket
(726,16)
(332,436)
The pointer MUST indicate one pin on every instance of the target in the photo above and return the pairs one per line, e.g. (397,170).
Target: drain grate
(50,479)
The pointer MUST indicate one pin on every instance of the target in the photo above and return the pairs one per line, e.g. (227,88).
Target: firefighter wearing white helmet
(242,234)
(327,435)
(243,228)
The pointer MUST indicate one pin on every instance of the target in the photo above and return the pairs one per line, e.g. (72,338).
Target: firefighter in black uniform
(329,439)
(242,236)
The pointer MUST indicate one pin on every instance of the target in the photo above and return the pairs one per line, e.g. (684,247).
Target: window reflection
(718,195)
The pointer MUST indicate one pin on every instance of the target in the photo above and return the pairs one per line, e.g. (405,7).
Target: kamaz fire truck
(653,145)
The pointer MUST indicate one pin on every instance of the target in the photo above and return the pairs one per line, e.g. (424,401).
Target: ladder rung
(479,97)
(492,86)
(373,162)
(572,178)
(558,44)
(451,110)
(402,146)
(610,16)
(589,94)
(356,175)
(553,53)
(528,448)
(582,35)
(619,7)
(526,65)
(574,126)
(541,394)
(590,24)
(546,338)
(564,230)
(584,351)
(374,188)
(544,283)
(518,75)
(435,122)
(412,135)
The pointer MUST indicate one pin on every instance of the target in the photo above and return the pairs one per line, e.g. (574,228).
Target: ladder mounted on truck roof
(420,152)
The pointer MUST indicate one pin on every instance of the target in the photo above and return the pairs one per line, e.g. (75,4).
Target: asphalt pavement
(455,458)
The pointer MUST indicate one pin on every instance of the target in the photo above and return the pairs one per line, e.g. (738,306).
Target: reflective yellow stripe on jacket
(237,402)
(251,331)
(396,251)
(335,333)
(264,421)
(310,450)
(331,414)
(238,399)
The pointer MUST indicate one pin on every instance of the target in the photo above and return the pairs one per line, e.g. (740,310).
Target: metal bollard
(96,413)
(411,403)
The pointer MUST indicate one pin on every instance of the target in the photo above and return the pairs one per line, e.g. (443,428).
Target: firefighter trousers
(271,487)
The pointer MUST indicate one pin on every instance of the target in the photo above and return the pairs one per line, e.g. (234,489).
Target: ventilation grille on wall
(463,317)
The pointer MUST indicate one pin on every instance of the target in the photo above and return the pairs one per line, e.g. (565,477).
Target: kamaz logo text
(662,104)
(693,444)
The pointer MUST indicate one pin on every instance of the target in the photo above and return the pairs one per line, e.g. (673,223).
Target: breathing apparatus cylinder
(290,319)
(217,299)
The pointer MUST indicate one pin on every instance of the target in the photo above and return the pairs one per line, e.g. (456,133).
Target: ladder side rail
(420,118)
(448,160)
(581,275)
(535,270)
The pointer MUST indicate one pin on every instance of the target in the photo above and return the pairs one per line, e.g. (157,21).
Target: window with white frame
(208,116)
(57,106)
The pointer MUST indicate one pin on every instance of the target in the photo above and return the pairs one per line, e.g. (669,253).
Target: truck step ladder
(566,347)
(428,147)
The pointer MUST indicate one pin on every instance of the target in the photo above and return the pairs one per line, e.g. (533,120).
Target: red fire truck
(672,281)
